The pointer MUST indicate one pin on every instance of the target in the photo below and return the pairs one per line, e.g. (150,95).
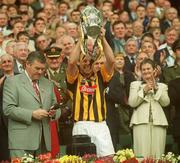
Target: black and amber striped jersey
(88,96)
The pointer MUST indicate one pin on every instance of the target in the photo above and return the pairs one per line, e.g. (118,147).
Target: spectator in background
(23,36)
(174,91)
(12,10)
(39,27)
(129,30)
(75,16)
(165,55)
(6,64)
(172,77)
(158,37)
(124,16)
(173,72)
(50,11)
(141,13)
(63,12)
(9,47)
(118,111)
(176,25)
(131,49)
(72,30)
(23,7)
(132,5)
(42,14)
(160,8)
(149,48)
(4,23)
(147,37)
(154,22)
(114,17)
(60,31)
(68,45)
(119,32)
(138,31)
(148,121)
(17,27)
(26,19)
(20,54)
(170,14)
(150,10)
(42,42)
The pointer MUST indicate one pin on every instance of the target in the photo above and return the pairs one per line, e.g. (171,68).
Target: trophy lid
(91,21)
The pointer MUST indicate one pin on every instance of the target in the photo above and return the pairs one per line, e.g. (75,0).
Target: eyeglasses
(41,41)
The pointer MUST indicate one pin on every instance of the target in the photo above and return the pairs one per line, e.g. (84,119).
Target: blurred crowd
(135,30)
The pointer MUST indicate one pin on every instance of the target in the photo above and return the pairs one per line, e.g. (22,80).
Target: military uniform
(59,79)
(171,73)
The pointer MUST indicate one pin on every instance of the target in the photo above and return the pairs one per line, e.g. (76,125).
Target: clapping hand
(150,85)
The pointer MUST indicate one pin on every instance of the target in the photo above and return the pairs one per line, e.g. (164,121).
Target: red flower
(98,161)
(16,160)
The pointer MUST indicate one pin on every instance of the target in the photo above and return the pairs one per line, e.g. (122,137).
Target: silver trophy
(91,23)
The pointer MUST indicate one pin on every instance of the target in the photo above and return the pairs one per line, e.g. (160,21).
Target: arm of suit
(162,95)
(10,103)
(136,94)
(173,92)
(116,91)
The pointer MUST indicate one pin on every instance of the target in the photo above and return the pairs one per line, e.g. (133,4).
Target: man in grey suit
(27,101)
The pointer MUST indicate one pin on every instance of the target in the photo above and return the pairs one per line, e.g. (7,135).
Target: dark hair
(38,19)
(118,22)
(148,61)
(107,1)
(22,33)
(75,10)
(63,2)
(140,6)
(12,6)
(36,56)
(147,34)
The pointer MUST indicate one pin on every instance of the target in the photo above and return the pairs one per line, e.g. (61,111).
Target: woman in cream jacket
(148,121)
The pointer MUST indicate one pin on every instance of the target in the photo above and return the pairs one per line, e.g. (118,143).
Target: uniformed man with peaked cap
(56,72)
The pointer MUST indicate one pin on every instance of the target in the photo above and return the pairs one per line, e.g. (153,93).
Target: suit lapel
(28,86)
(42,89)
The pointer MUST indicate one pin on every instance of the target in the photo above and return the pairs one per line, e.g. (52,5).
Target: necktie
(132,60)
(55,73)
(56,76)
(132,64)
(36,88)
(21,69)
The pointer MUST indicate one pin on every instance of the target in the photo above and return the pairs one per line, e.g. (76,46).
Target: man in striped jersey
(87,89)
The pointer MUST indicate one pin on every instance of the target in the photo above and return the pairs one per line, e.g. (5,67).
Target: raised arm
(109,63)
(73,60)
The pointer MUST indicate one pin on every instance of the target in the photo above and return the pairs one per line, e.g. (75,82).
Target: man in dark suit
(20,53)
(131,49)
(27,101)
(174,92)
